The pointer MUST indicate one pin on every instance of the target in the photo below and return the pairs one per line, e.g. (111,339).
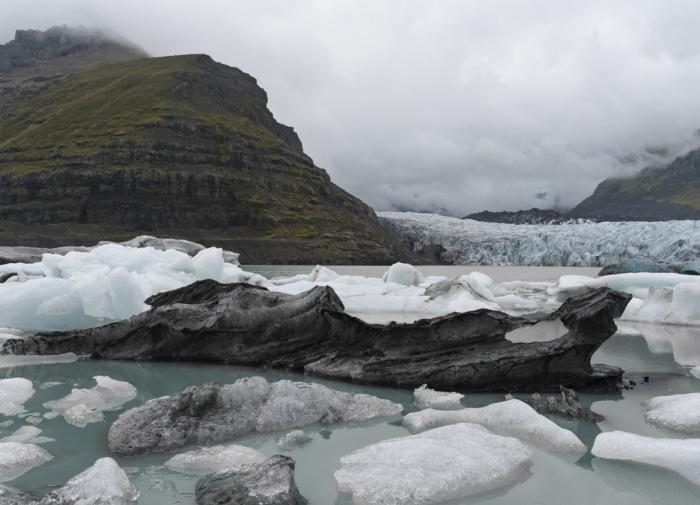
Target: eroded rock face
(240,324)
(213,413)
(268,483)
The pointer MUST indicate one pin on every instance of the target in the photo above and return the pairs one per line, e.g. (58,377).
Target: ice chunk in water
(104,483)
(438,465)
(511,417)
(213,459)
(13,393)
(695,372)
(675,412)
(429,398)
(404,274)
(14,360)
(27,434)
(681,456)
(293,440)
(17,458)
(84,406)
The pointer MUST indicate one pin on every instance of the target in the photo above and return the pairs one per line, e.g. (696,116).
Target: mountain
(654,194)
(178,146)
(532,216)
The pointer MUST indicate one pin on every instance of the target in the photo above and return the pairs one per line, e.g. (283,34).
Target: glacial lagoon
(663,354)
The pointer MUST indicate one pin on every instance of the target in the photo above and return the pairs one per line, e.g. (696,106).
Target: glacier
(469,242)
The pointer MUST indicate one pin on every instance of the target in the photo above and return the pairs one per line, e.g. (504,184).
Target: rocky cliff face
(655,194)
(178,146)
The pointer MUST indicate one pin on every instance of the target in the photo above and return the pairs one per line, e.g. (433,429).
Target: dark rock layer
(239,324)
(268,483)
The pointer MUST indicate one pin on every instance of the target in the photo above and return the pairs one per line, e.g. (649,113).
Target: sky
(440,105)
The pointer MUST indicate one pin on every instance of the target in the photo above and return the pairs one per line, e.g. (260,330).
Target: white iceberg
(85,406)
(13,393)
(429,398)
(443,464)
(675,412)
(404,274)
(681,456)
(511,417)
(213,459)
(104,483)
(18,458)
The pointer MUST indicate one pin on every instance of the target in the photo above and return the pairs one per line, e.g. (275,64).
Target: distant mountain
(98,142)
(532,216)
(654,194)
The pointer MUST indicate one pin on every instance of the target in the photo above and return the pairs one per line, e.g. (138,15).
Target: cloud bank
(449,106)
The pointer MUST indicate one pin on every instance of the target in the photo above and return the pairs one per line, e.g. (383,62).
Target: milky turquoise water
(664,354)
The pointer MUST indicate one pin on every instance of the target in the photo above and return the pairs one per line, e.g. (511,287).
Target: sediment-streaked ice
(511,417)
(17,458)
(681,456)
(213,459)
(85,406)
(425,397)
(443,464)
(104,483)
(675,412)
(13,393)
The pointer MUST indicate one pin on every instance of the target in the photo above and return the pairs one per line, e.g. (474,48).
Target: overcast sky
(452,106)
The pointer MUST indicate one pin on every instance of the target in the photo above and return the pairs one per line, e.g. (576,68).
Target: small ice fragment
(84,406)
(213,459)
(13,393)
(511,417)
(429,398)
(293,440)
(675,412)
(18,458)
(681,456)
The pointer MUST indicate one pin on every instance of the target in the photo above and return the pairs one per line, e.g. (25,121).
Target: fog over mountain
(450,106)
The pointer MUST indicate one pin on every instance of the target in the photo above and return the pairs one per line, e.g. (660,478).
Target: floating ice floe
(18,458)
(27,434)
(110,282)
(104,483)
(293,440)
(213,459)
(15,360)
(429,398)
(85,406)
(511,417)
(675,412)
(13,393)
(681,456)
(443,464)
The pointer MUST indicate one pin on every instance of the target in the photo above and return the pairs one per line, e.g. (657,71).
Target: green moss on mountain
(180,146)
(671,192)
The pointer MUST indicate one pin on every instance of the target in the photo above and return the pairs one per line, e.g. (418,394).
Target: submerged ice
(214,459)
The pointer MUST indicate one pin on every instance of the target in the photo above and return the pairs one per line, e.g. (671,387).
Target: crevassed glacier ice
(213,459)
(18,458)
(88,288)
(429,398)
(104,483)
(675,412)
(13,393)
(469,242)
(511,417)
(432,467)
(681,456)
(85,406)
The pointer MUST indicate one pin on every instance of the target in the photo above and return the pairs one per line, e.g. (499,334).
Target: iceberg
(13,393)
(695,372)
(85,406)
(681,456)
(214,459)
(404,274)
(675,412)
(443,464)
(28,435)
(511,417)
(104,483)
(18,458)
(429,398)
(469,242)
